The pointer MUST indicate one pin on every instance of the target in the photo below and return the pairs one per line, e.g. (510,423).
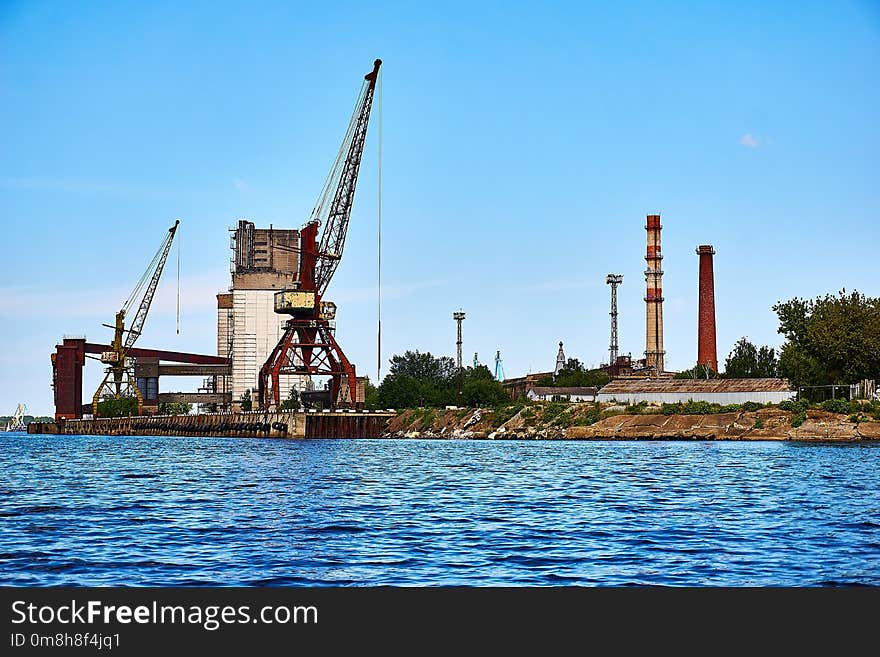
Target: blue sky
(523,145)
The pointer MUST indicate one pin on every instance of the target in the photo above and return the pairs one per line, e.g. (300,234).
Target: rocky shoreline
(534,423)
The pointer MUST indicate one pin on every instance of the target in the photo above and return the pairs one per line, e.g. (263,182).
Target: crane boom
(137,325)
(119,381)
(308,346)
(343,177)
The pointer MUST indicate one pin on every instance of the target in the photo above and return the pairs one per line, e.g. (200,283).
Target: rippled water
(181,511)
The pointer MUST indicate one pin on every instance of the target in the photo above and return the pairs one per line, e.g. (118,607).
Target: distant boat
(16,422)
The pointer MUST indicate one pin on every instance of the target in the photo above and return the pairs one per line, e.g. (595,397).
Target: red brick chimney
(706,349)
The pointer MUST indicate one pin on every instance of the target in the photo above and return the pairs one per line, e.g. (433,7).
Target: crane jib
(308,346)
(345,174)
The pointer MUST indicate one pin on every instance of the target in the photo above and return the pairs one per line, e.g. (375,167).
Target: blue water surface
(96,510)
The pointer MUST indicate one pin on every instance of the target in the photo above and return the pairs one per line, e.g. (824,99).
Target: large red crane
(308,346)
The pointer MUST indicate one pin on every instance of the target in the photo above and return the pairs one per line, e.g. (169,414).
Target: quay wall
(254,424)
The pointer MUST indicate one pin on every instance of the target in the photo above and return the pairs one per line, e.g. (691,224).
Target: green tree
(575,375)
(748,361)
(697,372)
(424,367)
(122,407)
(292,402)
(401,391)
(831,339)
(245,401)
(479,388)
(371,396)
(174,408)
(420,379)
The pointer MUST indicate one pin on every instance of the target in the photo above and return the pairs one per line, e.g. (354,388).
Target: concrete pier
(254,424)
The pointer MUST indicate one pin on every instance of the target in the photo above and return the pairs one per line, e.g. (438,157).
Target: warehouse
(561,394)
(719,391)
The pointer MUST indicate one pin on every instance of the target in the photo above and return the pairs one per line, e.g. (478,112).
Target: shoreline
(531,422)
(765,424)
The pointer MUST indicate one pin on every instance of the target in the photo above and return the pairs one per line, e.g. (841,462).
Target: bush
(730,408)
(635,409)
(174,408)
(798,420)
(426,416)
(759,424)
(794,406)
(503,413)
(752,406)
(554,410)
(841,406)
(121,407)
(590,417)
(854,418)
(563,419)
(698,408)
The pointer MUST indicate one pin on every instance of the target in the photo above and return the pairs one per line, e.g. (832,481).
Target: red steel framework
(308,346)
(70,357)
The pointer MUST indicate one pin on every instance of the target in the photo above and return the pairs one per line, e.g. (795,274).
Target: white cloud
(749,140)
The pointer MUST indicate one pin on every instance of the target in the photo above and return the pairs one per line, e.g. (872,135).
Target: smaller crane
(16,422)
(119,381)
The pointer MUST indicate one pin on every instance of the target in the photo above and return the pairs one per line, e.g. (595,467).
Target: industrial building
(264,261)
(518,387)
(719,391)
(577,394)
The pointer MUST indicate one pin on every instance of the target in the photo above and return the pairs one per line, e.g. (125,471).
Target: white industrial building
(265,260)
(719,391)
(560,394)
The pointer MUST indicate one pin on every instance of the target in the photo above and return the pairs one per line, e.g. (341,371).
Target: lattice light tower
(613,280)
(459,318)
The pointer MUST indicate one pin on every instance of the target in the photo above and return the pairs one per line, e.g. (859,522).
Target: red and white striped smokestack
(706,348)
(654,353)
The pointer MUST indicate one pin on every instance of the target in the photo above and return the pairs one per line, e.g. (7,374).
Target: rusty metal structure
(308,345)
(70,358)
(706,344)
(614,280)
(654,353)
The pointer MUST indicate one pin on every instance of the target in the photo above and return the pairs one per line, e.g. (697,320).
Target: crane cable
(178,285)
(379,264)
(146,275)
